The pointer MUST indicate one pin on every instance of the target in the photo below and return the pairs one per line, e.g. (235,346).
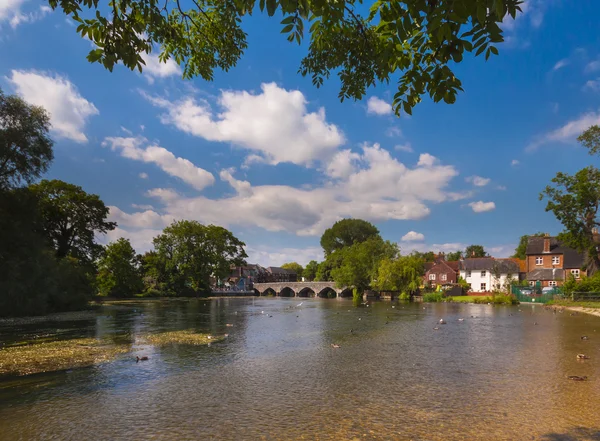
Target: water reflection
(495,375)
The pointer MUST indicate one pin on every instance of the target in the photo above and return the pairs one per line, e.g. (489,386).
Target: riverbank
(592,308)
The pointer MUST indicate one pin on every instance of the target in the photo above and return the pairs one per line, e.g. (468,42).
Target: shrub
(404,296)
(433,297)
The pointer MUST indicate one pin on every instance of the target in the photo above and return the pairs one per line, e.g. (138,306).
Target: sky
(264,153)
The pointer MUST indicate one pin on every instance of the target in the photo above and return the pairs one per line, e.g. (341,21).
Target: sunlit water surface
(497,375)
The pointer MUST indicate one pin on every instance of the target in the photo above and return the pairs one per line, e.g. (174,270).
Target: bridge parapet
(302,289)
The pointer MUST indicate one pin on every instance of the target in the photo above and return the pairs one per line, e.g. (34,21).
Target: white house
(486,274)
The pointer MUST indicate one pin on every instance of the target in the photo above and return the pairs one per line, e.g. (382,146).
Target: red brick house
(440,272)
(550,262)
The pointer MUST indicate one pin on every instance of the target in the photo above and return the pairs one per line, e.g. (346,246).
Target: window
(431,276)
(468,274)
(555,260)
(532,283)
(483,287)
(443,277)
(483,274)
(576,273)
(552,283)
(539,260)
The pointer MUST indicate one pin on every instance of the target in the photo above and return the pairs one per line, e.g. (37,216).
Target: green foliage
(118,270)
(357,265)
(345,233)
(413,42)
(401,274)
(71,218)
(590,139)
(189,254)
(584,284)
(522,247)
(310,271)
(294,266)
(574,200)
(463,284)
(475,251)
(453,257)
(404,296)
(25,148)
(433,297)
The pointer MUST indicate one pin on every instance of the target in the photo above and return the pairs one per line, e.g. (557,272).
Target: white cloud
(560,64)
(143,206)
(501,187)
(68,110)
(126,131)
(451,247)
(183,169)
(343,164)
(267,256)
(378,188)
(478,181)
(592,85)
(393,132)
(568,132)
(275,124)
(592,66)
(514,162)
(154,68)
(404,148)
(143,175)
(142,219)
(413,236)
(482,207)
(10,10)
(141,240)
(378,106)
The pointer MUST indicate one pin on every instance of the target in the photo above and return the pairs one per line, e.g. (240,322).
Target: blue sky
(265,154)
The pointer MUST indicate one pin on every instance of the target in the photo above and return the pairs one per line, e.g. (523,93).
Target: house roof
(521,262)
(441,266)
(571,258)
(278,270)
(546,274)
(504,266)
(453,264)
(428,265)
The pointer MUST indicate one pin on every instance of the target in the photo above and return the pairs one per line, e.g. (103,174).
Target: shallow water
(495,376)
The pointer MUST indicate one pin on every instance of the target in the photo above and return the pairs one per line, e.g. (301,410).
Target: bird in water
(351,331)
(229,325)
(584,337)
(577,377)
(461,319)
(442,322)
(436,328)
(582,357)
(535,323)
(333,345)
(138,359)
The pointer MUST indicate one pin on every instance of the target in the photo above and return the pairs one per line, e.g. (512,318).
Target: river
(501,374)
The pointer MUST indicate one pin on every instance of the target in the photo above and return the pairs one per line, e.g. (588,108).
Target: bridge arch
(306,292)
(345,293)
(269,292)
(327,293)
(287,292)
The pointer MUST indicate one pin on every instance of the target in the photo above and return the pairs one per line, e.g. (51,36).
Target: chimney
(473,253)
(546,243)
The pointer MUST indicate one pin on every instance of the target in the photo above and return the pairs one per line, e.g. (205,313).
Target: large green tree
(575,200)
(475,251)
(522,247)
(412,42)
(71,218)
(456,255)
(402,274)
(190,254)
(358,264)
(345,233)
(310,270)
(25,148)
(590,139)
(294,266)
(119,272)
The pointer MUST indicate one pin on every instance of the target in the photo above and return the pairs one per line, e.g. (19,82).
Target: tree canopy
(413,42)
(452,257)
(294,266)
(575,200)
(310,270)
(118,270)
(345,233)
(401,274)
(71,218)
(590,139)
(475,251)
(25,148)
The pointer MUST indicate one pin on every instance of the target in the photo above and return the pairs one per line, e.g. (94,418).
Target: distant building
(486,274)
(440,272)
(276,274)
(549,261)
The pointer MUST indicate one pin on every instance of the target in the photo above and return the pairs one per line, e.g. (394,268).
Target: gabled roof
(453,264)
(521,262)
(546,274)
(504,266)
(571,258)
(441,265)
(278,270)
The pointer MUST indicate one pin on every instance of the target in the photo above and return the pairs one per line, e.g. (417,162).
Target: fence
(535,294)
(586,296)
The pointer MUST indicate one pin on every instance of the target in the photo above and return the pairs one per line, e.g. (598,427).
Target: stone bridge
(302,289)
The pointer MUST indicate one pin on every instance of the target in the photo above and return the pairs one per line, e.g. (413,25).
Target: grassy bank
(500,299)
(570,303)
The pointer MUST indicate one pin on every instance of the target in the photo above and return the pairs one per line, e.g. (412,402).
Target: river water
(497,375)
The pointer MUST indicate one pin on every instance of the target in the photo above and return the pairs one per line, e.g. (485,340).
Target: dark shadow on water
(575,434)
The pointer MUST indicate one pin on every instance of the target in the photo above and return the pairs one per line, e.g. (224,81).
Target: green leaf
(287,29)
